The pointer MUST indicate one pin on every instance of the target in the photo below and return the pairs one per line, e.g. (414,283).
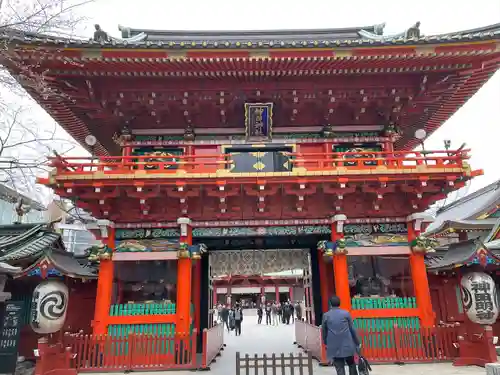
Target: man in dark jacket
(268,314)
(260,312)
(340,338)
(225,317)
(238,319)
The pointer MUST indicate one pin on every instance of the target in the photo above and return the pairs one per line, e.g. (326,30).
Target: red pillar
(419,274)
(214,297)
(197,293)
(290,293)
(277,293)
(104,288)
(340,268)
(323,282)
(184,273)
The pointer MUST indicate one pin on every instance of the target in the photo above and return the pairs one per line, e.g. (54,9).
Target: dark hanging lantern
(328,131)
(126,134)
(189,134)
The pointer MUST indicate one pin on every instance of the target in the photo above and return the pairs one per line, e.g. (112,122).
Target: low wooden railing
(213,343)
(396,345)
(403,345)
(407,160)
(106,353)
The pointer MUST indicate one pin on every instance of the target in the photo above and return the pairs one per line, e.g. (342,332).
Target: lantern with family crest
(480,299)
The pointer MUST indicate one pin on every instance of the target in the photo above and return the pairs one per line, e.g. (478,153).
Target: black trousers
(268,319)
(259,320)
(340,363)
(237,327)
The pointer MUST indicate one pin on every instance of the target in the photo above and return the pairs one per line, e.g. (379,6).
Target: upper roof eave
(485,224)
(243,34)
(311,39)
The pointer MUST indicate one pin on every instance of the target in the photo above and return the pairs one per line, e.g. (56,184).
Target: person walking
(298,311)
(286,313)
(274,313)
(268,314)
(238,319)
(340,337)
(260,312)
(225,316)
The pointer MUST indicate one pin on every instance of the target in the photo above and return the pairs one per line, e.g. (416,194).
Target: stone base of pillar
(476,347)
(492,369)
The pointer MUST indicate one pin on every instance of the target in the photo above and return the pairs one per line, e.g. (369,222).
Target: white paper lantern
(479,295)
(49,306)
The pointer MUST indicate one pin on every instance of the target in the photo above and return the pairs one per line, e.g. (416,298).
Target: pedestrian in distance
(268,314)
(225,316)
(238,319)
(340,337)
(260,312)
(274,313)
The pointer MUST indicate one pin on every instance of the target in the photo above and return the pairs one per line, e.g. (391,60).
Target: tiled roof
(468,207)
(24,241)
(34,242)
(10,195)
(276,39)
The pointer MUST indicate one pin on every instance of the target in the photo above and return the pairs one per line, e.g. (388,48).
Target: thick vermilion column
(197,293)
(323,282)
(419,275)
(340,267)
(104,288)
(277,293)
(184,274)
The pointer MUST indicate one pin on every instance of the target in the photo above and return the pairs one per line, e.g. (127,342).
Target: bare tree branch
(25,140)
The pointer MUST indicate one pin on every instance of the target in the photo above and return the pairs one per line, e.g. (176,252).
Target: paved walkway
(262,339)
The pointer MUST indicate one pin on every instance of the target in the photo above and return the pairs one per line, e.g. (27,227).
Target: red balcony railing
(327,161)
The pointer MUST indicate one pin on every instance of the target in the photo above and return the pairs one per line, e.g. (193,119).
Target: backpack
(237,314)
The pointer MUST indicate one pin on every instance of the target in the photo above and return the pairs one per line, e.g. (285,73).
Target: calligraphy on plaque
(258,120)
(9,336)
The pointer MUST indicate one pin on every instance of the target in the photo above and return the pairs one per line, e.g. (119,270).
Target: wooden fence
(103,353)
(213,343)
(275,365)
(396,345)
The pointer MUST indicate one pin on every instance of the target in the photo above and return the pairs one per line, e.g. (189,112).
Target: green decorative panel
(353,148)
(297,135)
(384,303)
(159,154)
(157,138)
(460,302)
(123,330)
(262,231)
(139,234)
(129,309)
(386,324)
(382,334)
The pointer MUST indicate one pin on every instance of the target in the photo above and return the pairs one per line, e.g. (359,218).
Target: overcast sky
(477,123)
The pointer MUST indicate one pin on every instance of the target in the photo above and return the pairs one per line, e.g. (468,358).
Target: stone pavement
(260,339)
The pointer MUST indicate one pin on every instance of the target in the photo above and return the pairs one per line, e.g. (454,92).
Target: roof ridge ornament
(101,36)
(378,34)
